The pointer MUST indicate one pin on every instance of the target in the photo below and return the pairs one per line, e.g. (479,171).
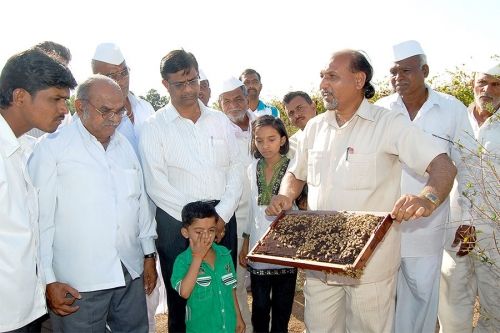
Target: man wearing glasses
(96,227)
(189,152)
(108,60)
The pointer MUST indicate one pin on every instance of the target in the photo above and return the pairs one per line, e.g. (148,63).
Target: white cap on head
(406,49)
(109,53)
(490,67)
(230,84)
(203,77)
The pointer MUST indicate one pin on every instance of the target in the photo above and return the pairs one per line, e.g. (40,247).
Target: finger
(397,207)
(65,310)
(73,292)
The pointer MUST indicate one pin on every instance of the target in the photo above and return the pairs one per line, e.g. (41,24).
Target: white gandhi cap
(230,84)
(109,53)
(490,67)
(406,49)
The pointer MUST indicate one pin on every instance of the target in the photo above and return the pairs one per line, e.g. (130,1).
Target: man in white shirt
(422,240)
(252,80)
(33,90)
(465,276)
(108,60)
(299,108)
(351,158)
(234,103)
(96,225)
(188,153)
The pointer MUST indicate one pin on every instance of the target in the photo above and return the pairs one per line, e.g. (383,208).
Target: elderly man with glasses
(108,60)
(189,152)
(96,225)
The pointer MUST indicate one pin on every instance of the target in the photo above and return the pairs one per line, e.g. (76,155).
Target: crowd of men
(90,213)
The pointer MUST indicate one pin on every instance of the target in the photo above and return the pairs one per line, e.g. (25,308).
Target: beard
(236,118)
(332,105)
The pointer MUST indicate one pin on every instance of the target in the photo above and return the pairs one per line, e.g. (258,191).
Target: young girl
(273,286)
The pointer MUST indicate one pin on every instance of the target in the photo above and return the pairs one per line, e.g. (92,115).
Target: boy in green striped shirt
(204,274)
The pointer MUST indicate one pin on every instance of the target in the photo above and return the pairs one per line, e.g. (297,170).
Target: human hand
(243,253)
(150,275)
(221,230)
(411,207)
(201,244)
(466,237)
(278,204)
(60,297)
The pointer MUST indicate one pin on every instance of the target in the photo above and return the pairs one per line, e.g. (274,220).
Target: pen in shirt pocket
(349,150)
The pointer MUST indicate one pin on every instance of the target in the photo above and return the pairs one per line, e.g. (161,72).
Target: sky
(288,42)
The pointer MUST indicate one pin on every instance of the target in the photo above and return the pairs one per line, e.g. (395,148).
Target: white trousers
(417,294)
(365,308)
(241,292)
(462,279)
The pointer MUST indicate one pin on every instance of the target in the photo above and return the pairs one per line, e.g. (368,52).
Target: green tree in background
(155,99)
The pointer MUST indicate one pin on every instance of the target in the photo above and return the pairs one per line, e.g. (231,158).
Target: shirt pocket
(203,289)
(221,152)
(314,162)
(360,172)
(131,181)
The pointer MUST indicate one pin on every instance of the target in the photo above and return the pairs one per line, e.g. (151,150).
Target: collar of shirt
(432,99)
(89,138)
(171,114)
(364,111)
(8,139)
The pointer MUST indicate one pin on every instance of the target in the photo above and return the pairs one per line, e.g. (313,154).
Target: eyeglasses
(108,115)
(181,85)
(118,75)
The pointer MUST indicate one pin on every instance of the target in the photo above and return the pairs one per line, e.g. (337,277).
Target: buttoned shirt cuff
(50,277)
(223,215)
(148,245)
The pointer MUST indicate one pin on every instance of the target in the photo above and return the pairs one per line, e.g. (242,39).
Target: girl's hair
(275,123)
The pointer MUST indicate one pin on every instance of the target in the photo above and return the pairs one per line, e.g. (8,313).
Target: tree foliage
(155,99)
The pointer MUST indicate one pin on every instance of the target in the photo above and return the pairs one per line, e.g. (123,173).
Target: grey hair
(83,89)
(422,59)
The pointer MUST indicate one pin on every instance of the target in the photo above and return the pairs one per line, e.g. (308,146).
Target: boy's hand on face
(201,244)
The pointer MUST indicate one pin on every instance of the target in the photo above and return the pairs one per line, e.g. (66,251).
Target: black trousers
(281,302)
(170,244)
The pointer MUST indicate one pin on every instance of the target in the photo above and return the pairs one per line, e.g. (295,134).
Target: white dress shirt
(142,110)
(445,118)
(185,161)
(358,167)
(22,294)
(94,211)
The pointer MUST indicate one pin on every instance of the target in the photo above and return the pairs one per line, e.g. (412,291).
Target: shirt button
(222,310)
(220,292)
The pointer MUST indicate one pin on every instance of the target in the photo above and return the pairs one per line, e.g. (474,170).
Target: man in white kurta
(467,273)
(422,240)
(351,158)
(234,103)
(96,226)
(108,60)
(33,91)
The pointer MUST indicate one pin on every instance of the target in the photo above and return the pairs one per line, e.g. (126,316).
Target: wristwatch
(150,255)
(431,197)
